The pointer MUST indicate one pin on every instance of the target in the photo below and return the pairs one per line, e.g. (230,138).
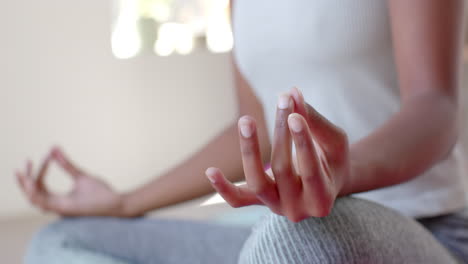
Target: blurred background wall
(125,120)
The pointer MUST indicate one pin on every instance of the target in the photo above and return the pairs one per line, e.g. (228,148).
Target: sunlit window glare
(174,37)
(218,30)
(218,35)
(126,42)
(160,11)
(178,25)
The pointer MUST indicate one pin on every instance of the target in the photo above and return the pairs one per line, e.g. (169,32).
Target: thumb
(328,135)
(299,103)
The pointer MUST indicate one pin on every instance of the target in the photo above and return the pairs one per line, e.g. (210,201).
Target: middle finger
(288,183)
(262,185)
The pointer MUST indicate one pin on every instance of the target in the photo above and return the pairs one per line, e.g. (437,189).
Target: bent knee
(64,241)
(356,231)
(55,234)
(49,241)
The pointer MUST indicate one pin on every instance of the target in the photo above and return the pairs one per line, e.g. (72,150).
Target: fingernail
(210,174)
(295,123)
(298,91)
(245,128)
(283,101)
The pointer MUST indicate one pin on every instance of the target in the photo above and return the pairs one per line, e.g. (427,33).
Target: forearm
(187,181)
(413,140)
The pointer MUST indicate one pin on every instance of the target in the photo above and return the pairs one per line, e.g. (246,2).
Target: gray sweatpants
(356,231)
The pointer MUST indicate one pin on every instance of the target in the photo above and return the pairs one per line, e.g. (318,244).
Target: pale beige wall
(126,120)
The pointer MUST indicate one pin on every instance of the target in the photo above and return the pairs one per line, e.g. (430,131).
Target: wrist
(360,168)
(126,208)
(347,185)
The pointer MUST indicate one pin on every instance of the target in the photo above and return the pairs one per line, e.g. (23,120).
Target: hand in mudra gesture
(89,195)
(297,186)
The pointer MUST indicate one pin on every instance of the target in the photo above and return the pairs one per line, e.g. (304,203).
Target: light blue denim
(357,231)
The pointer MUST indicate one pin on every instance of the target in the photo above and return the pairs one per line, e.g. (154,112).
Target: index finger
(64,162)
(281,160)
(328,135)
(257,180)
(42,171)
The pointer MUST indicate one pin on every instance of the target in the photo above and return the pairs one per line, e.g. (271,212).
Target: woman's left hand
(301,189)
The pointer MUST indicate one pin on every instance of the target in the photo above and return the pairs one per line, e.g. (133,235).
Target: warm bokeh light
(126,42)
(178,25)
(218,29)
(218,35)
(174,37)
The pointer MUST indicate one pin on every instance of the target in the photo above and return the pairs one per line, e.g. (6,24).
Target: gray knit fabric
(357,231)
(99,240)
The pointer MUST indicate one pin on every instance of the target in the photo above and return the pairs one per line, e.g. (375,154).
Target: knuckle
(279,168)
(261,189)
(322,210)
(296,218)
(312,179)
(220,188)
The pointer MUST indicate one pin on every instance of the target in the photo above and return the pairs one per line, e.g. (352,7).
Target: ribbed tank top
(340,54)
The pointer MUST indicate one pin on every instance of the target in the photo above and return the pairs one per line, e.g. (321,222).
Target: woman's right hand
(89,196)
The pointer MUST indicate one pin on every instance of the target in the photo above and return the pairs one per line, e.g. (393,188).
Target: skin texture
(428,39)
(427,36)
(298,192)
(89,195)
(184,182)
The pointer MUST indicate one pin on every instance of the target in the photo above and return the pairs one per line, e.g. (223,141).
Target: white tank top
(339,53)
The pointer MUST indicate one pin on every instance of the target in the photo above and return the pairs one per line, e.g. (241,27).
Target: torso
(339,53)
